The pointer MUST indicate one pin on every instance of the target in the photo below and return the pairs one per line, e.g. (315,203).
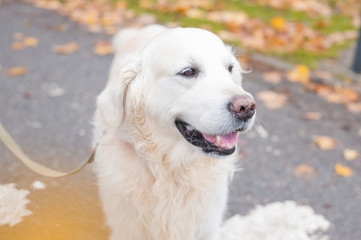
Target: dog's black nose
(243,107)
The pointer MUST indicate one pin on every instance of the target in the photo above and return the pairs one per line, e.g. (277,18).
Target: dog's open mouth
(218,144)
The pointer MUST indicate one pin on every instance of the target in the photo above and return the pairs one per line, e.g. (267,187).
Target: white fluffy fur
(154,185)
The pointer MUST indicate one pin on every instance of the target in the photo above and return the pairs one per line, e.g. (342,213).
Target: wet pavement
(55,129)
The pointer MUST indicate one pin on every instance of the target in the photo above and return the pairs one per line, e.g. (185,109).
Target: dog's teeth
(218,140)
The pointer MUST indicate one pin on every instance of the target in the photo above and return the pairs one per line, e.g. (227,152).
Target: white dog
(167,125)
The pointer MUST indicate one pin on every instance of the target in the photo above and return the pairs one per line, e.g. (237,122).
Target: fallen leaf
(300,73)
(103,48)
(312,115)
(343,170)
(17,46)
(272,77)
(354,107)
(324,142)
(304,171)
(350,154)
(341,95)
(16,71)
(30,42)
(60,27)
(323,74)
(272,100)
(66,48)
(278,23)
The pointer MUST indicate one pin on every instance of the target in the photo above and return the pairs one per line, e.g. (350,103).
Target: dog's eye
(188,72)
(230,68)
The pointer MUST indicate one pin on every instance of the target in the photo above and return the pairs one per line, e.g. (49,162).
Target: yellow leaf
(278,23)
(103,48)
(350,154)
(300,74)
(272,100)
(16,71)
(90,19)
(66,48)
(304,171)
(343,170)
(324,142)
(30,42)
(17,46)
(106,21)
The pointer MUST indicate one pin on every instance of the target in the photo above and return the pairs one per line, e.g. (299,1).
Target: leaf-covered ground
(300,31)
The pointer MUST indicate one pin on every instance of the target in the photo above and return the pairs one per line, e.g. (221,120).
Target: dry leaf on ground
(103,48)
(341,95)
(31,41)
(272,77)
(300,73)
(354,107)
(304,171)
(343,171)
(324,142)
(311,115)
(350,154)
(16,71)
(66,48)
(272,100)
(324,74)
(278,23)
(17,46)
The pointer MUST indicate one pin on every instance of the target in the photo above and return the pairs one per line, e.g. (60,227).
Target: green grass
(193,22)
(308,58)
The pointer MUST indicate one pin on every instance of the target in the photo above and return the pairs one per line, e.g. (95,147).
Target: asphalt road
(56,130)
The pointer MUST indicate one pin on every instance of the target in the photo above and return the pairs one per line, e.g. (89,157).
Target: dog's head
(184,86)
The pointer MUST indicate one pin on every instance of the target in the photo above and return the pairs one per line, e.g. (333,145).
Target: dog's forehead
(178,44)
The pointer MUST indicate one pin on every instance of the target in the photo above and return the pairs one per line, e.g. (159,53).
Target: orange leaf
(312,116)
(350,154)
(103,48)
(278,23)
(30,42)
(324,142)
(300,74)
(66,48)
(17,46)
(304,171)
(272,100)
(16,71)
(343,170)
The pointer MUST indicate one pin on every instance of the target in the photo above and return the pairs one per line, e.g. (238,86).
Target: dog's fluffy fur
(155,185)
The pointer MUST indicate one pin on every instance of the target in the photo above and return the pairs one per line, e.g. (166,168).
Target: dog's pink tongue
(223,141)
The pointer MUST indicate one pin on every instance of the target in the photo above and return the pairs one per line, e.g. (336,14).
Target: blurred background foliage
(298,31)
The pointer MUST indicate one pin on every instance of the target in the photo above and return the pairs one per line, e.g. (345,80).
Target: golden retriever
(167,125)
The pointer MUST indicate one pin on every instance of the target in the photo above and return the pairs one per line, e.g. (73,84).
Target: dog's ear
(111,103)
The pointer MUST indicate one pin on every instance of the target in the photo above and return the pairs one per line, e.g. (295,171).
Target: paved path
(56,131)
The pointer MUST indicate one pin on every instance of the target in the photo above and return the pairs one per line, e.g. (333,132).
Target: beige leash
(36,167)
